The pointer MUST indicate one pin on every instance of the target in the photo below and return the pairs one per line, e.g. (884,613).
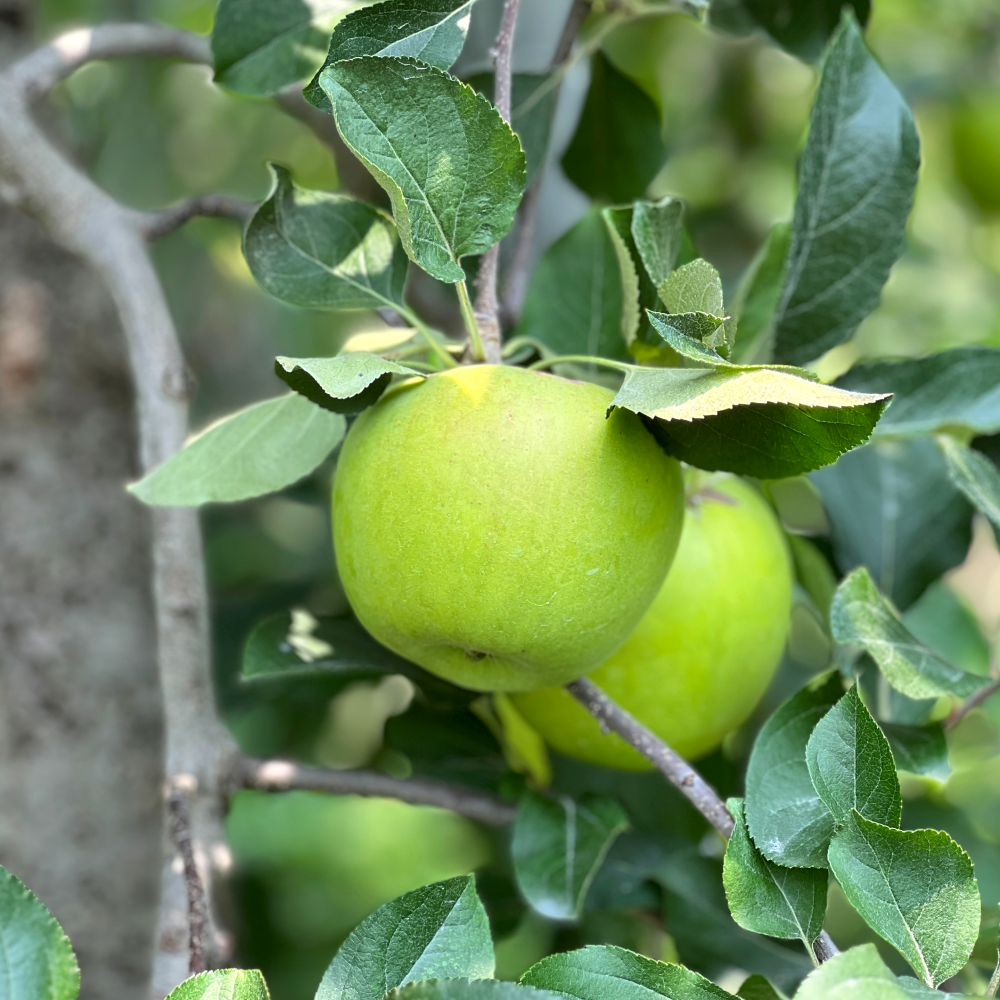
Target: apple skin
(702,655)
(492,525)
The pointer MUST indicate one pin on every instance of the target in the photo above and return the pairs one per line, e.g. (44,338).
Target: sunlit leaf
(856,974)
(347,383)
(452,167)
(222,984)
(258,450)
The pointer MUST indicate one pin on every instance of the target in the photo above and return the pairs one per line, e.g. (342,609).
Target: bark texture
(80,711)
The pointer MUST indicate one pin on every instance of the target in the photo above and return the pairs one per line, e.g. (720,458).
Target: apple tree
(576,528)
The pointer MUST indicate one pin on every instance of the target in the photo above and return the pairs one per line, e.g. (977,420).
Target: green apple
(494,526)
(701,657)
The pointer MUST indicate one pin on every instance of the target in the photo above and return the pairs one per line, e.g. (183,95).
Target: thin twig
(973,701)
(39,72)
(613,718)
(487,310)
(153,225)
(516,281)
(180,835)
(994,984)
(282,776)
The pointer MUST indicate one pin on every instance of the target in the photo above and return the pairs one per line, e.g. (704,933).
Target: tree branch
(487,305)
(973,701)
(84,220)
(613,718)
(282,776)
(180,834)
(153,225)
(39,72)
(516,282)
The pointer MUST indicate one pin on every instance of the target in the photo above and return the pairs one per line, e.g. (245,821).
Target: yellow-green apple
(493,525)
(702,655)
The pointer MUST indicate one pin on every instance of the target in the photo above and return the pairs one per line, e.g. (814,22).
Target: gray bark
(81,747)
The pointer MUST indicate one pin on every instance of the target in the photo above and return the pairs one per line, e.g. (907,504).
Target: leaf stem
(991,990)
(580,359)
(411,317)
(469,318)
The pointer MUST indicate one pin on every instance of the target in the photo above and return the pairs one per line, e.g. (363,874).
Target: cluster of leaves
(720,391)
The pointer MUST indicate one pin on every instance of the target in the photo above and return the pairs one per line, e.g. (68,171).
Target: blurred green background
(734,113)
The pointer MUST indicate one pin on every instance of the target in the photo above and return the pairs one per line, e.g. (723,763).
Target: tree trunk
(80,710)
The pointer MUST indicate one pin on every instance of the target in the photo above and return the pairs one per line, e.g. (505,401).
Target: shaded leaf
(758,988)
(296,644)
(432,31)
(956,388)
(976,476)
(767,898)
(918,749)
(617,148)
(347,383)
(860,614)
(758,422)
(463,989)
(558,846)
(575,300)
(258,450)
(324,251)
(757,298)
(262,46)
(856,181)
(915,888)
(851,765)
(36,958)
(658,231)
(856,974)
(532,107)
(893,509)
(916,990)
(222,984)
(638,292)
(803,26)
(452,167)
(789,822)
(607,972)
(437,931)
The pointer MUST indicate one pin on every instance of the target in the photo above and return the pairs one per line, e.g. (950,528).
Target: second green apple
(700,659)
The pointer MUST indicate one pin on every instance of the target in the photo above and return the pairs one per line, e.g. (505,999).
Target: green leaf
(558,846)
(695,287)
(915,888)
(606,972)
(893,509)
(452,167)
(856,974)
(432,31)
(856,181)
(976,476)
(803,26)
(956,388)
(918,749)
(223,984)
(757,298)
(258,450)
(297,644)
(658,231)
(575,301)
(618,146)
(324,251)
(36,958)
(758,988)
(851,765)
(463,989)
(439,931)
(532,106)
(861,615)
(916,990)
(789,822)
(347,383)
(262,46)
(767,898)
(638,292)
(758,422)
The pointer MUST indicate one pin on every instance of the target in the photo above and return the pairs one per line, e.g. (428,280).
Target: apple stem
(613,718)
